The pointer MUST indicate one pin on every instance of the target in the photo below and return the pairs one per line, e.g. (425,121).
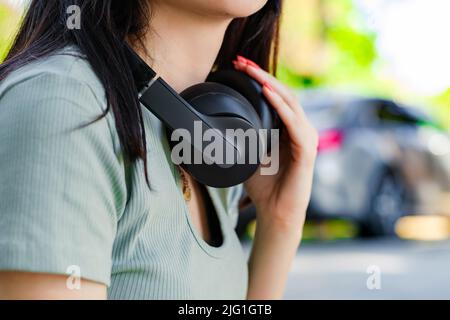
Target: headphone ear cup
(216,99)
(252,91)
(226,109)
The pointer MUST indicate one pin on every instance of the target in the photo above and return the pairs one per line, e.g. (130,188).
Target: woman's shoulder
(62,92)
(64,76)
(67,65)
(63,81)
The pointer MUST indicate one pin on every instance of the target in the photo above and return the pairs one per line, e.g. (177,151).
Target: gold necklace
(187,193)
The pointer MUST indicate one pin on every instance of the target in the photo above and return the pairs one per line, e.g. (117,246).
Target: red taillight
(330,140)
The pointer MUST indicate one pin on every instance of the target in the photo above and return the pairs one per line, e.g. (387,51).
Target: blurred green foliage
(343,51)
(327,230)
(337,49)
(441,107)
(8,25)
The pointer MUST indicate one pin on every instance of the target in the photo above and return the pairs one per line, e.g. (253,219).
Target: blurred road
(338,270)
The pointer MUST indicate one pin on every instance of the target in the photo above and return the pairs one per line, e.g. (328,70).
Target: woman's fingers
(302,134)
(287,116)
(254,71)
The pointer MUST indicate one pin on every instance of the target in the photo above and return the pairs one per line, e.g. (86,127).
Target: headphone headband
(165,103)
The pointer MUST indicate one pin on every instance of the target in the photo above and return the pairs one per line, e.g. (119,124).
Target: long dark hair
(105,25)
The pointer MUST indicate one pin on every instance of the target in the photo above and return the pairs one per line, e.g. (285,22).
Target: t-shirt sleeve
(61,183)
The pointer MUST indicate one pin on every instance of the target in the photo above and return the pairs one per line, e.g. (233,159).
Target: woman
(87,185)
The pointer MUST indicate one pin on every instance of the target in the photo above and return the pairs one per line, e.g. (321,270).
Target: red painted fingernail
(237,65)
(253,64)
(248,62)
(241,59)
(268,86)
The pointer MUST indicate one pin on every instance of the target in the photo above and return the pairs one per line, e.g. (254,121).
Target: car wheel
(388,203)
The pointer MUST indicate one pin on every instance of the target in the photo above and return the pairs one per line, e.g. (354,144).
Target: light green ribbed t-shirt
(69,204)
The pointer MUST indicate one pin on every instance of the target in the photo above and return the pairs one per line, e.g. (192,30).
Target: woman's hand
(282,199)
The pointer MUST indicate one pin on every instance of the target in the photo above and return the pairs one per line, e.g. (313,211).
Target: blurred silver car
(377,161)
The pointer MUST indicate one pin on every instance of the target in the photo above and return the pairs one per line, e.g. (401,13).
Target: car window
(366,113)
(390,112)
(325,117)
(379,112)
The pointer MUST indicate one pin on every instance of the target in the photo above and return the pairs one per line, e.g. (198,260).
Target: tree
(9,19)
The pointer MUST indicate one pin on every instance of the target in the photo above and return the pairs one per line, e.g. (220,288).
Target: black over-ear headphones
(228,100)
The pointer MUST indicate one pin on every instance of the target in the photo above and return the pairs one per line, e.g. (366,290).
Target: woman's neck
(183,45)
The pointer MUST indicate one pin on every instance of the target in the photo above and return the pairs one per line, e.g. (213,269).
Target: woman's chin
(225,8)
(241,8)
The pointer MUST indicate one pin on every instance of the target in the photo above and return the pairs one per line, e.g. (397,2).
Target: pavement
(371,269)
